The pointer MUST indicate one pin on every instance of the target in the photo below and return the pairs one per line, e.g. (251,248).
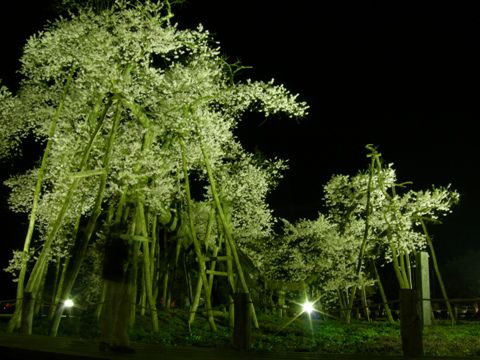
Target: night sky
(361,66)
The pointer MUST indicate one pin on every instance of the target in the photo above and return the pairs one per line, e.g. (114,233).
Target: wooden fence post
(242,322)
(410,324)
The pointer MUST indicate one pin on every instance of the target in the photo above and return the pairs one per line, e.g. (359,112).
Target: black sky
(363,67)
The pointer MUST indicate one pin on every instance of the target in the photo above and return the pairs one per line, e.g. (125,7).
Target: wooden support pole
(243,321)
(410,324)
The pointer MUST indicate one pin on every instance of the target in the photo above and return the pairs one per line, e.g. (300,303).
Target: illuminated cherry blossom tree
(370,219)
(128,107)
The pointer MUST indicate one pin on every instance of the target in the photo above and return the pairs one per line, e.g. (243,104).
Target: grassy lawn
(283,334)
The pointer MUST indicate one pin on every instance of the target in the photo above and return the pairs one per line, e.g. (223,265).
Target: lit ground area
(278,338)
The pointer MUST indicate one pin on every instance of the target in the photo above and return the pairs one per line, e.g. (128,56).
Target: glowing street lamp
(307,307)
(68,303)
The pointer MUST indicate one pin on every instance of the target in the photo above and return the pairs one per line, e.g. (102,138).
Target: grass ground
(282,334)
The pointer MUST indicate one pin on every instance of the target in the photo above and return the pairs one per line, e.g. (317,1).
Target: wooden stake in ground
(423,285)
(410,324)
(243,321)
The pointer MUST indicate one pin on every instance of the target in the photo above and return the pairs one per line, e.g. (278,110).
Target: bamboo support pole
(403,267)
(399,267)
(40,291)
(165,289)
(56,279)
(149,293)
(366,309)
(16,318)
(227,229)
(196,301)
(157,272)
(196,298)
(196,244)
(364,240)
(143,295)
(396,266)
(98,310)
(57,293)
(142,229)
(437,271)
(231,277)
(59,289)
(409,269)
(382,293)
(153,248)
(342,304)
(133,274)
(233,286)
(78,257)
(188,280)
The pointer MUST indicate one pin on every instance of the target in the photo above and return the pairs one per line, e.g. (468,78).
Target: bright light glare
(307,307)
(68,303)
